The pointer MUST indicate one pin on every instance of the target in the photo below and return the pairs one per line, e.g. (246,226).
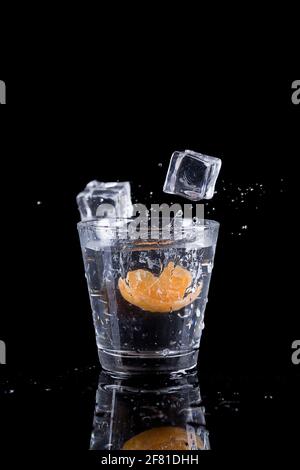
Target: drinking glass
(148,292)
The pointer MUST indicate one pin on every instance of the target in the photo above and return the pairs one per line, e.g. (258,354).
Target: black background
(58,133)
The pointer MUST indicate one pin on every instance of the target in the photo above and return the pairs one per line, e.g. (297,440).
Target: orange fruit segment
(164,293)
(164,438)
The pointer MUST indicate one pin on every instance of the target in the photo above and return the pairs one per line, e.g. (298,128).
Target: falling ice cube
(192,175)
(100,199)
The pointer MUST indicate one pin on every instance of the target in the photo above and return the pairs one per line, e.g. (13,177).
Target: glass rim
(206,223)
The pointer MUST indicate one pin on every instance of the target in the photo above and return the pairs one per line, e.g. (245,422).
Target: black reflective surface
(60,411)
(249,385)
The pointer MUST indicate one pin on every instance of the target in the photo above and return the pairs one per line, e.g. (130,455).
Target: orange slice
(161,294)
(164,438)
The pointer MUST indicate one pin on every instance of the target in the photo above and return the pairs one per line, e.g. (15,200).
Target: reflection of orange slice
(165,293)
(165,438)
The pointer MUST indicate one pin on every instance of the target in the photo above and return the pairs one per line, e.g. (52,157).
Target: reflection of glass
(149,413)
(148,296)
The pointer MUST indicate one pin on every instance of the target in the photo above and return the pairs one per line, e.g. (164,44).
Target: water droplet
(165,352)
(183,314)
(160,165)
(179,213)
(38,203)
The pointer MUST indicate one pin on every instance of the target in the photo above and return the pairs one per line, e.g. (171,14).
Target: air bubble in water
(183,314)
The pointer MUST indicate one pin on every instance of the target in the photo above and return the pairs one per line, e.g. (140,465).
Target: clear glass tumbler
(148,295)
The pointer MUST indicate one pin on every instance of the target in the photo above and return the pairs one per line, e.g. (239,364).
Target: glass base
(131,363)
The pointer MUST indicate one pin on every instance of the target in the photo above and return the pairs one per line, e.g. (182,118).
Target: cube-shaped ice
(100,199)
(192,175)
